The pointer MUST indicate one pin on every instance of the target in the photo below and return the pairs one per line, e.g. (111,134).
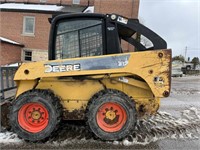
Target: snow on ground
(7,137)
(186,85)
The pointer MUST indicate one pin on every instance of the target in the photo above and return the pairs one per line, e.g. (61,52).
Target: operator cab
(83,35)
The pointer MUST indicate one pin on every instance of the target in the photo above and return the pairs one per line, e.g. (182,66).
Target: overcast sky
(177,21)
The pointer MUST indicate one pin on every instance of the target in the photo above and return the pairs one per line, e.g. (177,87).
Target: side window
(79,38)
(29,25)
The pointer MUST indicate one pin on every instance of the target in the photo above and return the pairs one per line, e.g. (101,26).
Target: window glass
(29,25)
(79,38)
(76,1)
(43,1)
(27,55)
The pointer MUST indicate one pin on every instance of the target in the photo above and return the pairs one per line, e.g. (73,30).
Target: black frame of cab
(113,31)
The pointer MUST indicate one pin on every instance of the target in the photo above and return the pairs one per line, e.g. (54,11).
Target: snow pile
(31,7)
(9,138)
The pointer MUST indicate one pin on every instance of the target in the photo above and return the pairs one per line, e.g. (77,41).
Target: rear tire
(35,115)
(111,115)
(188,67)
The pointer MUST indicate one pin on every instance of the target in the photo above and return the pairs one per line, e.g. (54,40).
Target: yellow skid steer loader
(88,77)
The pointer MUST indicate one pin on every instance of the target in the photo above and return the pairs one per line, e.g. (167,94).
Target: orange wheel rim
(111,117)
(33,117)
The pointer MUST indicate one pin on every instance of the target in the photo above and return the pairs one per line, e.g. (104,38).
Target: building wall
(12,23)
(9,53)
(12,28)
(37,54)
(127,8)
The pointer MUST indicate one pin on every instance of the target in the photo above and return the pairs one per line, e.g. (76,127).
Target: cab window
(79,38)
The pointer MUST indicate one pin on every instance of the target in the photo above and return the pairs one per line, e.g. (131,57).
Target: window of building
(43,1)
(29,25)
(76,1)
(27,55)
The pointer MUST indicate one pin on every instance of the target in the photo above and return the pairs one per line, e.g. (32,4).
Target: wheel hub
(111,117)
(36,115)
(33,117)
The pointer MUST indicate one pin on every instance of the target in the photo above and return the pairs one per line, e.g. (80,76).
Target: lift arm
(128,27)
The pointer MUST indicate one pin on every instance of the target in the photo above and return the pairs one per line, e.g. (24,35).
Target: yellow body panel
(143,76)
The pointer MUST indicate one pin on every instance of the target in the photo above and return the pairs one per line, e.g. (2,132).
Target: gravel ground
(175,126)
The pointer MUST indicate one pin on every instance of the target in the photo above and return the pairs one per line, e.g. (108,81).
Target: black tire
(100,100)
(43,98)
(188,67)
(4,116)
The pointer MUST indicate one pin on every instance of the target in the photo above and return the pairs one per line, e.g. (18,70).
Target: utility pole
(185,53)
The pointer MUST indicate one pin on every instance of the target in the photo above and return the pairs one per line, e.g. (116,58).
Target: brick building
(26,22)
(10,51)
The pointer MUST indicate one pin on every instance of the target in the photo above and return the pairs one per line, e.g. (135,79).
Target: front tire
(111,115)
(35,115)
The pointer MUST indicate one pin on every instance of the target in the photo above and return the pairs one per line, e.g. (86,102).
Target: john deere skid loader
(88,77)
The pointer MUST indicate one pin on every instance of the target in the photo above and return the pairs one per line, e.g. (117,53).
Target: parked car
(177,72)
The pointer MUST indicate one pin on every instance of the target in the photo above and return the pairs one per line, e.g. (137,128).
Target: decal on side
(110,62)
(122,79)
(122,63)
(62,68)
(122,20)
